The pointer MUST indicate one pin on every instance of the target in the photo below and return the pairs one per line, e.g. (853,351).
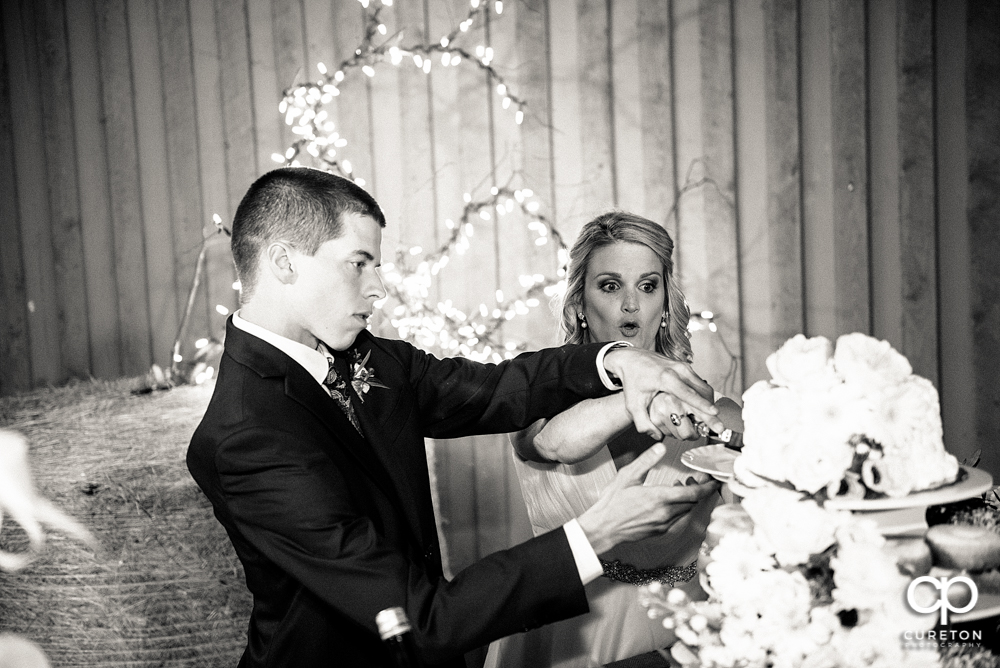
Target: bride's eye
(648,286)
(609,286)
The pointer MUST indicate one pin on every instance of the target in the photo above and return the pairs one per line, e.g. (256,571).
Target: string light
(441,327)
(302,104)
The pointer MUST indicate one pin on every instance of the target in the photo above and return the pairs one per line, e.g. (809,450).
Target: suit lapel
(406,466)
(319,403)
(300,387)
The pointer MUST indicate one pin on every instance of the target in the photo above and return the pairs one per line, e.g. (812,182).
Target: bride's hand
(651,382)
(627,510)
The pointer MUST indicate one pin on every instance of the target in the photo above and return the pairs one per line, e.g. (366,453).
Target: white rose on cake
(802,363)
(869,363)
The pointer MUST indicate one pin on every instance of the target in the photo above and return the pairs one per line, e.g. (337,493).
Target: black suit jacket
(332,527)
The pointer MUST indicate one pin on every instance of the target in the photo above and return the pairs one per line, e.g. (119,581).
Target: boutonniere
(363,378)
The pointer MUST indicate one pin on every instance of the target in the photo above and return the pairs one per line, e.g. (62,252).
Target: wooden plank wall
(824,166)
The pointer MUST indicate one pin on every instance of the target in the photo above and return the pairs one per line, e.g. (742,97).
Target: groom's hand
(657,388)
(627,510)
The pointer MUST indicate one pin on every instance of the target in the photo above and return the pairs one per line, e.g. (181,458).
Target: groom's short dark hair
(299,205)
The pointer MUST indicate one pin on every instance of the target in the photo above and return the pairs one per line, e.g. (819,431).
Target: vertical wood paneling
(753,199)
(593,59)
(95,205)
(387,138)
(722,294)
(15,350)
(569,205)
(126,195)
(883,151)
(290,66)
(417,223)
(834,162)
(818,226)
(850,166)
(781,26)
(535,86)
(690,255)
(151,135)
(182,158)
(321,45)
(627,111)
(64,200)
(265,91)
(235,86)
(659,162)
(212,161)
(915,69)
(982,65)
(958,374)
(32,192)
(536,132)
(354,105)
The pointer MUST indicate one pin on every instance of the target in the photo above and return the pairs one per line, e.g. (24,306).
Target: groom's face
(335,289)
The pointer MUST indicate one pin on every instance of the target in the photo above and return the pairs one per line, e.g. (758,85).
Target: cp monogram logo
(943,584)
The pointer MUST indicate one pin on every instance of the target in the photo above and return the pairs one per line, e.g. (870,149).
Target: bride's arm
(580,431)
(576,433)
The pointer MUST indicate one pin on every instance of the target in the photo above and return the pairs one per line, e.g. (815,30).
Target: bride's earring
(583,320)
(663,319)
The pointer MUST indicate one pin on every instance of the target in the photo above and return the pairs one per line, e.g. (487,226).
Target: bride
(620,287)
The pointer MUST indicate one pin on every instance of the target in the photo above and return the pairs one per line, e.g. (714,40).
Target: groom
(312,453)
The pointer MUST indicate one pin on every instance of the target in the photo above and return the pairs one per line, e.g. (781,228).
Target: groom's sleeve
(587,563)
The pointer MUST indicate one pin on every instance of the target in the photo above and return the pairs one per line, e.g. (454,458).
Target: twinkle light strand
(441,327)
(302,105)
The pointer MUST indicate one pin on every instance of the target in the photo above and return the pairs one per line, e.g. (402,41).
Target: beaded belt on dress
(668,575)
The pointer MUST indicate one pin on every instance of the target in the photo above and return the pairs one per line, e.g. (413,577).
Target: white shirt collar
(312,360)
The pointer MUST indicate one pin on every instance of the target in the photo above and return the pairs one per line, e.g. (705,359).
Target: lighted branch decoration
(437,326)
(442,327)
(303,104)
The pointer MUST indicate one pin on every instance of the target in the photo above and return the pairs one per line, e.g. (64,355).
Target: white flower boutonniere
(363,378)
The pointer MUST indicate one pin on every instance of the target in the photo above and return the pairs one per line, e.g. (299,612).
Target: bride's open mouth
(629,328)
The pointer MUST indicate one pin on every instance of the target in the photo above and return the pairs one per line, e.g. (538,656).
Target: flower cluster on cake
(845,421)
(793,584)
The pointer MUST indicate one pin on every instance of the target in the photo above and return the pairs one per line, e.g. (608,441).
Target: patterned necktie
(337,387)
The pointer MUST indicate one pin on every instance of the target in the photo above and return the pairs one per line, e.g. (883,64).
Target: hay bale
(165,587)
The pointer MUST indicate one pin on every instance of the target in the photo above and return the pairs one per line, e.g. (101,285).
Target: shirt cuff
(587,564)
(601,371)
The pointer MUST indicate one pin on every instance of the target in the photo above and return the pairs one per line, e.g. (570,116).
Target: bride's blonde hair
(614,227)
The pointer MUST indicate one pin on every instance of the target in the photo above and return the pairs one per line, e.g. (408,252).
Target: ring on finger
(702,429)
(675,419)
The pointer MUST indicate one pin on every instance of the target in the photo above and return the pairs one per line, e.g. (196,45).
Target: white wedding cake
(851,421)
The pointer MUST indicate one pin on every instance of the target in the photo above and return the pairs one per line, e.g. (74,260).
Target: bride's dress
(616,626)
